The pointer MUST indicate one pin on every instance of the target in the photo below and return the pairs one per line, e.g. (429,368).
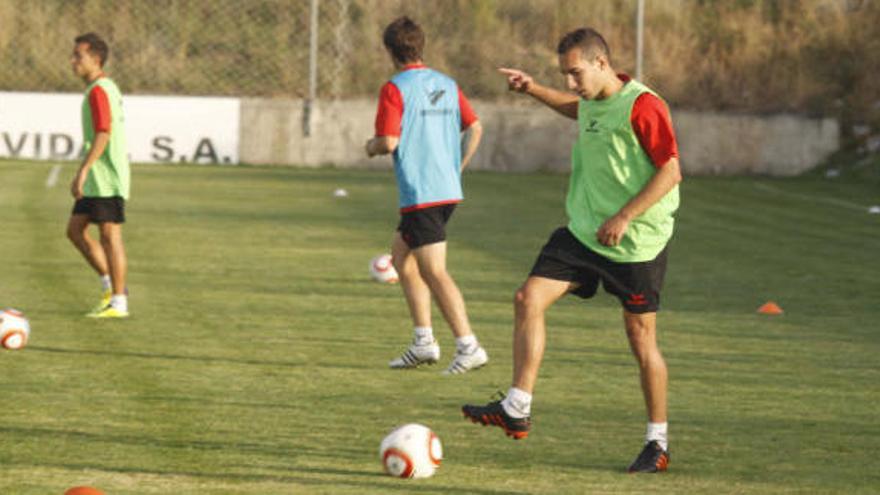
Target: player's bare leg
(529,332)
(431,260)
(469,354)
(424,349)
(415,290)
(111,241)
(117,263)
(92,251)
(641,330)
(513,413)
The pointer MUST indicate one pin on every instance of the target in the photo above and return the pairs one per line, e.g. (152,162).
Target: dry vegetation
(819,57)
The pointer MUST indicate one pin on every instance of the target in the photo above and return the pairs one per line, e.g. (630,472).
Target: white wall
(528,137)
(48,126)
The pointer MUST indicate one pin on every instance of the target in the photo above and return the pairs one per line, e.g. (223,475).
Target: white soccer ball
(14,329)
(382,270)
(411,451)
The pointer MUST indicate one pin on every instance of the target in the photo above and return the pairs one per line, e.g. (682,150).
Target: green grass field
(255,360)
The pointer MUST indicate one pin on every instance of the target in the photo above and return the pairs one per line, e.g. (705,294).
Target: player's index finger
(509,72)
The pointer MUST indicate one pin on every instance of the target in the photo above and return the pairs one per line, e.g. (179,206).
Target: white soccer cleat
(416,355)
(466,361)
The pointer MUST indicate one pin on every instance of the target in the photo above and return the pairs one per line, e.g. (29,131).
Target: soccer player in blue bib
(421,117)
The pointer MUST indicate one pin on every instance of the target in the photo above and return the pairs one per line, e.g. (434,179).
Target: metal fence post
(313,68)
(640,36)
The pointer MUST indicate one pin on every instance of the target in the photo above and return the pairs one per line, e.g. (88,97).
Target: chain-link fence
(195,47)
(819,56)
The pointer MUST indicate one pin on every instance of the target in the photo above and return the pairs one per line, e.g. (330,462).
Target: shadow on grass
(366,479)
(204,359)
(290,451)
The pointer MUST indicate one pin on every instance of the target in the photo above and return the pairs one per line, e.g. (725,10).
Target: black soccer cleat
(653,459)
(494,414)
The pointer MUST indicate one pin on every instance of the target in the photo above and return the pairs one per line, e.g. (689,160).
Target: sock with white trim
(518,403)
(466,344)
(657,431)
(119,302)
(423,335)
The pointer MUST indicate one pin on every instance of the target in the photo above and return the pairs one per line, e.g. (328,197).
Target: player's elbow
(475,129)
(474,133)
(673,171)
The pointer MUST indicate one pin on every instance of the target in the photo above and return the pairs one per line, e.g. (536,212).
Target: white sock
(119,302)
(106,284)
(518,403)
(657,431)
(423,335)
(466,343)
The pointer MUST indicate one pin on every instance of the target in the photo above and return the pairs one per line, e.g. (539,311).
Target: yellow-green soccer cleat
(108,312)
(105,301)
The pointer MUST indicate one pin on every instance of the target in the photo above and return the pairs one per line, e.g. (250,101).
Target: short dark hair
(404,39)
(97,46)
(588,40)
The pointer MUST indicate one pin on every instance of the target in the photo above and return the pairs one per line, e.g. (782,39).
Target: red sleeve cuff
(99,104)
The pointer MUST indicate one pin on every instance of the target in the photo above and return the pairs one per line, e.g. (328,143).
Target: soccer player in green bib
(622,194)
(101,184)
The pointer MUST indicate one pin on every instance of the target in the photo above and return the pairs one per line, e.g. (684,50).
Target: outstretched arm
(562,102)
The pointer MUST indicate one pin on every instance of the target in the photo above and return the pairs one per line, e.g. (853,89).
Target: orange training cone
(83,490)
(770,308)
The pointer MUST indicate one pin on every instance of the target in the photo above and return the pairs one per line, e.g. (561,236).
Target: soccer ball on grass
(14,329)
(411,451)
(382,270)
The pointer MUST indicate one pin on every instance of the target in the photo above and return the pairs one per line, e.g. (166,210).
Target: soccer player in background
(622,194)
(101,184)
(422,114)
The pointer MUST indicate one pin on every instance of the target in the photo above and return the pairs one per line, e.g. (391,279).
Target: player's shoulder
(644,94)
(107,85)
(649,103)
(389,86)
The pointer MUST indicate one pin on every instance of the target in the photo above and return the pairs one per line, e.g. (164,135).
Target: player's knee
(75,235)
(525,301)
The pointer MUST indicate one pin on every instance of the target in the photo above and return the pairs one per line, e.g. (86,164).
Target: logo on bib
(593,126)
(435,96)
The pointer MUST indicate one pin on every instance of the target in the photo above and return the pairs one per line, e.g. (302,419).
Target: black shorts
(426,226)
(637,285)
(101,210)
